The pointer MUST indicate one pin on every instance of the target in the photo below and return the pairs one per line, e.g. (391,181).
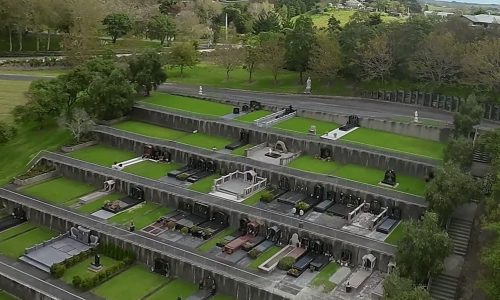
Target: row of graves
(272,153)
(193,171)
(277,117)
(351,125)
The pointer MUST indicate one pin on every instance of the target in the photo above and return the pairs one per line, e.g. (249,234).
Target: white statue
(416,117)
(308,86)
(200,91)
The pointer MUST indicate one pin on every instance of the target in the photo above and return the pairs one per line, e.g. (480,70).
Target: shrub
(108,272)
(77,281)
(57,270)
(195,229)
(302,205)
(86,283)
(254,253)
(267,196)
(184,230)
(286,263)
(102,275)
(7,132)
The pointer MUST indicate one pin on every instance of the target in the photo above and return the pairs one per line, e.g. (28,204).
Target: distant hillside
(460,5)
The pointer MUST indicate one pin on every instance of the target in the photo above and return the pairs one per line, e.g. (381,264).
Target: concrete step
(34,263)
(444,287)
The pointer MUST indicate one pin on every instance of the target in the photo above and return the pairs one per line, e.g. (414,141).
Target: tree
(469,115)
(117,25)
(351,38)
(79,124)
(376,58)
(183,55)
(326,58)
(299,42)
(188,25)
(146,72)
(422,248)
(449,189)
(459,151)
(266,21)
(400,288)
(273,52)
(481,64)
(161,27)
(438,59)
(252,56)
(229,58)
(334,25)
(169,7)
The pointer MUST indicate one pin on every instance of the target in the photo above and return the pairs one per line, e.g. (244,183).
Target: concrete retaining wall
(20,290)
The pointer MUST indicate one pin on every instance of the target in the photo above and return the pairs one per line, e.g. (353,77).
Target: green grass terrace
(142,215)
(322,279)
(15,240)
(396,142)
(204,185)
(151,169)
(252,116)
(219,237)
(7,296)
(97,204)
(254,264)
(174,289)
(395,235)
(302,125)
(60,191)
(102,155)
(82,268)
(188,104)
(407,184)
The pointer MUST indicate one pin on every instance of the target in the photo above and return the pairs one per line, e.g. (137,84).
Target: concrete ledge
(34,179)
(67,149)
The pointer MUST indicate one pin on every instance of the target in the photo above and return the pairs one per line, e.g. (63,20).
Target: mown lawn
(62,190)
(15,246)
(254,199)
(343,15)
(150,130)
(395,235)
(302,125)
(11,95)
(142,215)
(219,237)
(241,150)
(396,142)
(97,204)
(323,277)
(254,265)
(134,283)
(188,104)
(371,176)
(16,230)
(205,141)
(204,185)
(82,268)
(176,289)
(252,116)
(102,155)
(150,169)
(221,297)
(7,296)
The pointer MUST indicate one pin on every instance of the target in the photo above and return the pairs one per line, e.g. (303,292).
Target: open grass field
(188,104)
(150,169)
(204,185)
(252,116)
(219,237)
(205,141)
(302,125)
(62,190)
(396,142)
(176,289)
(395,235)
(11,95)
(407,184)
(16,230)
(343,15)
(82,268)
(254,265)
(102,155)
(134,283)
(96,205)
(40,72)
(142,215)
(14,246)
(150,130)
(322,279)
(241,150)
(7,296)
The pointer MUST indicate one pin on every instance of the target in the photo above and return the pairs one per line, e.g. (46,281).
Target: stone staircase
(444,287)
(480,156)
(459,232)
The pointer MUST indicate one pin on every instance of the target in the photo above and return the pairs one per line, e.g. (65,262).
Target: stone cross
(200,91)
(416,117)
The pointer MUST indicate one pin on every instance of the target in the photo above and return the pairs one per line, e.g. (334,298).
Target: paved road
(169,249)
(278,169)
(16,272)
(263,214)
(341,143)
(343,105)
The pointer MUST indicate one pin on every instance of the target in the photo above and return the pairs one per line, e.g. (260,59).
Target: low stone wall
(35,179)
(21,290)
(67,149)
(340,152)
